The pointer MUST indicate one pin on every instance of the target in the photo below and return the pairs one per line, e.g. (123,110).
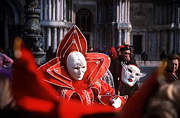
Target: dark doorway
(84,22)
(7,25)
(2,43)
(137,44)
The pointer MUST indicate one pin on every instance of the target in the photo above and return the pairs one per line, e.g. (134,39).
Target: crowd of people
(78,82)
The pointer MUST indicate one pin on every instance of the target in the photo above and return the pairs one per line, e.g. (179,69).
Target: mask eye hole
(137,74)
(129,70)
(76,68)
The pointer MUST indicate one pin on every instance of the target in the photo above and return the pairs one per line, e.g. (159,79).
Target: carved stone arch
(18,10)
(10,15)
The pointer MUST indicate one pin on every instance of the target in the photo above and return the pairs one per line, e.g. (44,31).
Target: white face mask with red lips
(130,74)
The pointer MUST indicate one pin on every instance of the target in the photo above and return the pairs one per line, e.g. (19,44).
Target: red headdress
(113,53)
(73,41)
(55,70)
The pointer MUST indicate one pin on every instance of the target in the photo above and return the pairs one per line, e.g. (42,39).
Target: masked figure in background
(77,74)
(125,56)
(130,75)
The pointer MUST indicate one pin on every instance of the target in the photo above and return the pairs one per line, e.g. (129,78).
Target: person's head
(171,92)
(173,62)
(125,51)
(160,108)
(76,65)
(166,103)
(130,74)
(113,52)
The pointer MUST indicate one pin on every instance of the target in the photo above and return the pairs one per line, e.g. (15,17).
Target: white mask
(130,74)
(76,65)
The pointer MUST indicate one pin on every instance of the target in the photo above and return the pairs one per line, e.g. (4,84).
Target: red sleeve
(106,89)
(107,94)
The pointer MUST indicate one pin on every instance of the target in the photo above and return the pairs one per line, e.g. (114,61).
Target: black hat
(124,47)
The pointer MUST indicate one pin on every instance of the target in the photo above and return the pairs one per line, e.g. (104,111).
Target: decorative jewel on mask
(130,74)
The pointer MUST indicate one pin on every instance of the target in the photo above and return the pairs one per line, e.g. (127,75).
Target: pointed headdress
(73,41)
(55,70)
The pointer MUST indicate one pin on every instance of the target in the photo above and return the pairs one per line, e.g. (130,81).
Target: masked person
(77,74)
(130,75)
(121,73)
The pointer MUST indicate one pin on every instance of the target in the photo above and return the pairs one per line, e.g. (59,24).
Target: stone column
(55,40)
(119,37)
(128,11)
(32,31)
(58,10)
(53,9)
(49,37)
(128,37)
(50,8)
(61,34)
(62,10)
(45,10)
(113,35)
(65,19)
(125,12)
(42,7)
(120,12)
(125,36)
(122,8)
(65,31)
(171,45)
(178,15)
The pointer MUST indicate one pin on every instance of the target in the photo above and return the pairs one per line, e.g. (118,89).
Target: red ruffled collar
(56,73)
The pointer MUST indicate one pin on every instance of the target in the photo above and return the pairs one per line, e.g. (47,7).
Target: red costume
(35,98)
(91,88)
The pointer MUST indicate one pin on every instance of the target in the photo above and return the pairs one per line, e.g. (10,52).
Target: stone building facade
(149,25)
(155,27)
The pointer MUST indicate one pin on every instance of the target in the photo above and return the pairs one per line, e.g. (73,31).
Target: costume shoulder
(56,74)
